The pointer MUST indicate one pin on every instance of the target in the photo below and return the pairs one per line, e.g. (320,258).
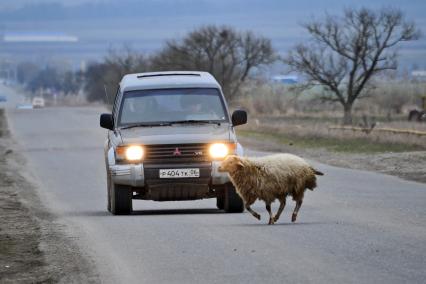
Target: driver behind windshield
(138,108)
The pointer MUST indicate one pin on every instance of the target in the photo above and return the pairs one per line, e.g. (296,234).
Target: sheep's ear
(240,163)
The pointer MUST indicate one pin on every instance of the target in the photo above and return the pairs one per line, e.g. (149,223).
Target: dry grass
(316,132)
(275,109)
(388,101)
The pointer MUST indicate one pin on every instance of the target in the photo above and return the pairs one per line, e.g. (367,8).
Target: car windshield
(171,105)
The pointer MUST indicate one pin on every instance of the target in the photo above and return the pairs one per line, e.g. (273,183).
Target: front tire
(232,201)
(120,199)
(220,202)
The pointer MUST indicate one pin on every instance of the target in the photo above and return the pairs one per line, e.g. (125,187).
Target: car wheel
(233,202)
(121,199)
(220,202)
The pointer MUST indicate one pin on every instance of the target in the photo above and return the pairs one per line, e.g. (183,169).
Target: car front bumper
(134,174)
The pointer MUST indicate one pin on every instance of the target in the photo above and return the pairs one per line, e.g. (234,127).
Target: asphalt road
(357,227)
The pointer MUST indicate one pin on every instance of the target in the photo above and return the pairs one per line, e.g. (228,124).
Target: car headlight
(134,153)
(220,150)
(130,153)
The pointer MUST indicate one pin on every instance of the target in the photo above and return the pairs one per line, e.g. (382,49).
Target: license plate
(179,173)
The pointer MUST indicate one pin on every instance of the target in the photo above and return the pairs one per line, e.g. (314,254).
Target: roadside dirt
(33,247)
(406,165)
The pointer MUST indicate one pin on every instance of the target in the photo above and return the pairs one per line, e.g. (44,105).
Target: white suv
(168,133)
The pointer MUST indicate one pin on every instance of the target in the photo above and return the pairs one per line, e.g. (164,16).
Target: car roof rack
(167,74)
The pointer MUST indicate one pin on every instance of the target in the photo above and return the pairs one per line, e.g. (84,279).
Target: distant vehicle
(24,106)
(3,99)
(418,114)
(168,133)
(38,102)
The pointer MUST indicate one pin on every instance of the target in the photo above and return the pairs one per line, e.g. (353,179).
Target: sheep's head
(231,164)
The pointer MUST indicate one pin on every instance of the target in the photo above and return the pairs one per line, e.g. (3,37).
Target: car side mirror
(239,117)
(106,121)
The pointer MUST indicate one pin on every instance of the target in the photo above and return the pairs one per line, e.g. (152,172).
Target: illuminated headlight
(134,153)
(130,153)
(219,150)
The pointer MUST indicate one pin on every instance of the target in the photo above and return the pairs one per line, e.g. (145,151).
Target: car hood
(177,134)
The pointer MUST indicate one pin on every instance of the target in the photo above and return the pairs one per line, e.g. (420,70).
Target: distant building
(38,37)
(286,79)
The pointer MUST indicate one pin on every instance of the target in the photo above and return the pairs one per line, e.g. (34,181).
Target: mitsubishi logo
(177,152)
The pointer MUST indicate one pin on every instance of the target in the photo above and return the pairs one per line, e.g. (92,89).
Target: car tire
(120,199)
(108,192)
(220,202)
(233,202)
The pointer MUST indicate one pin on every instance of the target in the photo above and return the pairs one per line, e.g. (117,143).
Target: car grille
(179,153)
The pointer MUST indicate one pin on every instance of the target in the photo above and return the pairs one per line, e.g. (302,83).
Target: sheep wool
(269,178)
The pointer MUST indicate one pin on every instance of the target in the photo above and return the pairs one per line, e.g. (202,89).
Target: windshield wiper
(169,123)
(191,121)
(146,125)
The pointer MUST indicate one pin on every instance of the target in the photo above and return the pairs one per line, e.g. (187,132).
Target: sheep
(269,178)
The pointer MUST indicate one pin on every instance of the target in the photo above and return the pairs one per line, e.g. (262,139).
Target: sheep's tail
(318,173)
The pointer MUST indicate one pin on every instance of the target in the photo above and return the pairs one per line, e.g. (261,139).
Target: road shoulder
(33,245)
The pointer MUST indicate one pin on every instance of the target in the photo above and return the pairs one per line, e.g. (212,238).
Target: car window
(170,105)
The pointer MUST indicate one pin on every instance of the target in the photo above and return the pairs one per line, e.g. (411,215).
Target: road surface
(356,227)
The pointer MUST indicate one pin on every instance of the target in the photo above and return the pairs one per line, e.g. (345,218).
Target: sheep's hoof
(257,216)
(293,218)
(271,221)
(275,219)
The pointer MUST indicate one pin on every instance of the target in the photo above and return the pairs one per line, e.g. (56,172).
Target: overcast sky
(146,24)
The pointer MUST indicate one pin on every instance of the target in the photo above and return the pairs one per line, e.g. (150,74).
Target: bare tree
(227,54)
(344,53)
(109,72)
(26,71)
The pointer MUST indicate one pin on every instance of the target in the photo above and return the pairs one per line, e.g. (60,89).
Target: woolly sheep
(269,178)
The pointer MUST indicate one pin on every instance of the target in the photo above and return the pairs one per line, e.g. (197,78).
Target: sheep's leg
(280,209)
(296,210)
(268,208)
(248,208)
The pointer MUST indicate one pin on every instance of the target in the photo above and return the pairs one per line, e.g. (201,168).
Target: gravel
(33,246)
